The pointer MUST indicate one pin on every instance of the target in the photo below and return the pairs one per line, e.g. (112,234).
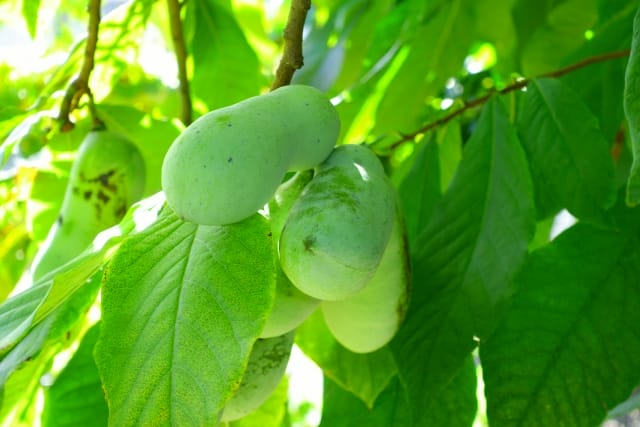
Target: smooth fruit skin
(337,230)
(107,176)
(368,320)
(266,367)
(290,307)
(227,164)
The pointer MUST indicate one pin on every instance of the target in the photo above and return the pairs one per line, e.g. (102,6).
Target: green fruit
(227,164)
(368,320)
(106,178)
(337,230)
(290,306)
(266,367)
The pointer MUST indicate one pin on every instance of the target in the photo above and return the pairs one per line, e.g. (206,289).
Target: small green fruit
(290,306)
(266,367)
(368,320)
(337,230)
(107,176)
(227,164)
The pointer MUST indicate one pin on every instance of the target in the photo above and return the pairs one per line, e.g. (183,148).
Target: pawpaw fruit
(290,306)
(337,230)
(266,367)
(107,176)
(228,163)
(368,320)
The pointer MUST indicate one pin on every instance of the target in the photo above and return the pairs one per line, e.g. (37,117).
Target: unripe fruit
(107,176)
(266,367)
(368,320)
(227,164)
(290,306)
(337,230)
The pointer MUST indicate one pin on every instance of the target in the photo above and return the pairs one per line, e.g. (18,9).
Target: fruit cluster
(336,223)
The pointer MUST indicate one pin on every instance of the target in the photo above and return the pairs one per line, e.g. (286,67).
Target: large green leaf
(225,67)
(364,375)
(632,111)
(568,156)
(465,259)
(76,398)
(569,347)
(182,307)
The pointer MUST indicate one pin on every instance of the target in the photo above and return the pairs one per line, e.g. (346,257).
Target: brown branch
(512,87)
(292,58)
(80,86)
(181,58)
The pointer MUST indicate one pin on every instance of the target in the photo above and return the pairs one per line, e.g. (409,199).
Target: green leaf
(433,166)
(18,393)
(567,350)
(632,112)
(341,409)
(454,407)
(225,67)
(559,35)
(76,398)
(436,52)
(568,156)
(420,190)
(457,405)
(30,15)
(182,306)
(465,259)
(364,375)
(17,313)
(601,85)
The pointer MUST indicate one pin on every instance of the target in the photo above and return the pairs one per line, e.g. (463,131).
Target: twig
(292,58)
(80,86)
(513,87)
(181,58)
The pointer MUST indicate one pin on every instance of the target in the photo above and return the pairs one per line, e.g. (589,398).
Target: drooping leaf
(568,348)
(568,156)
(632,112)
(364,375)
(76,397)
(182,306)
(465,259)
